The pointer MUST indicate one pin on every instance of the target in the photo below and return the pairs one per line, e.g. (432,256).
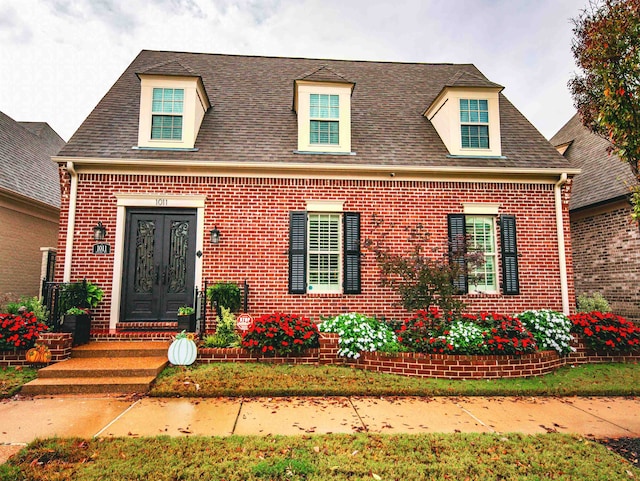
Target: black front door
(159,264)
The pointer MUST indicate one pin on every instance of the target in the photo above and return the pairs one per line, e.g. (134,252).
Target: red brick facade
(607,256)
(253,218)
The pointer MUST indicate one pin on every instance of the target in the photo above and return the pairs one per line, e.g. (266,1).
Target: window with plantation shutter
(324,253)
(509,251)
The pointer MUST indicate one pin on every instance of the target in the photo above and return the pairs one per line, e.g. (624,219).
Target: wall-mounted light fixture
(99,232)
(215,235)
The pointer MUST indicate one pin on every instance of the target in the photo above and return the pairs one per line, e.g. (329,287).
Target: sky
(58,58)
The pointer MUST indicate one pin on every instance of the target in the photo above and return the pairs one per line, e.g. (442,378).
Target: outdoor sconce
(215,235)
(99,232)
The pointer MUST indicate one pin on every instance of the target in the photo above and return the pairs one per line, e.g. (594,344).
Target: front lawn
(256,379)
(336,457)
(12,379)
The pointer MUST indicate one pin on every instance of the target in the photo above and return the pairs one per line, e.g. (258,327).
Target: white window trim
(494,255)
(475,124)
(195,105)
(302,105)
(324,289)
(444,114)
(167,114)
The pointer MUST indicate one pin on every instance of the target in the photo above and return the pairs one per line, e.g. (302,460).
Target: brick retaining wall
(403,363)
(59,343)
(427,365)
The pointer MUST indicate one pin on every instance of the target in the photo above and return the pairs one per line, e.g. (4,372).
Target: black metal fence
(55,309)
(50,300)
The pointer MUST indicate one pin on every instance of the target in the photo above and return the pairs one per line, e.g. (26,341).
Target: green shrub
(32,304)
(360,333)
(226,334)
(595,302)
(551,330)
(84,294)
(225,294)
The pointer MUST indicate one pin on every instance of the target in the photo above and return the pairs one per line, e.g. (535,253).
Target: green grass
(310,458)
(12,379)
(255,379)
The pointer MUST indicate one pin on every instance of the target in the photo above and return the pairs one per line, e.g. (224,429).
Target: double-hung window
(324,115)
(324,252)
(474,123)
(481,238)
(166,114)
(477,233)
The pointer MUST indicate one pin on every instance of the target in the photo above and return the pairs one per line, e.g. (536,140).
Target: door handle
(164,276)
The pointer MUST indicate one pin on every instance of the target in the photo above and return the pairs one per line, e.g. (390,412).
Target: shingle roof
(25,159)
(251,119)
(604,176)
(324,74)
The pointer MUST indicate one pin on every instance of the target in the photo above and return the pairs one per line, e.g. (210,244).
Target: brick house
(29,203)
(606,243)
(292,164)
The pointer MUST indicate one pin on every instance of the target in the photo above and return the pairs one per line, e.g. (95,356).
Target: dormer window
(167,107)
(466,115)
(324,114)
(172,108)
(474,123)
(322,101)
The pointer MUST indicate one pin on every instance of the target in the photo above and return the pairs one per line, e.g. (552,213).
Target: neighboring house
(294,163)
(29,203)
(605,241)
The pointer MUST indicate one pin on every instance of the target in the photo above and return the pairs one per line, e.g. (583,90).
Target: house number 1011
(160,202)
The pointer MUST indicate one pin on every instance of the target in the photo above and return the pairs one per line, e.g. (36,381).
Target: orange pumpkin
(39,355)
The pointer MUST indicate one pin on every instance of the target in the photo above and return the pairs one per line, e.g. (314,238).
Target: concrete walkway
(24,420)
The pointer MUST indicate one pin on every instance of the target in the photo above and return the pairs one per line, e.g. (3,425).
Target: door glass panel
(179,244)
(145,244)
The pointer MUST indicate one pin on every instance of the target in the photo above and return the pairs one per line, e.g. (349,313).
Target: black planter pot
(187,323)
(78,325)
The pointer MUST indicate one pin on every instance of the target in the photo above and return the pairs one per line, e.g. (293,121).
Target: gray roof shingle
(251,118)
(25,159)
(604,176)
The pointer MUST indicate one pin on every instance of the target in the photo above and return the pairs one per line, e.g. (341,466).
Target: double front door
(159,265)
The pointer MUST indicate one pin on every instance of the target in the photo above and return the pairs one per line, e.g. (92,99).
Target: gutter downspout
(71,221)
(562,258)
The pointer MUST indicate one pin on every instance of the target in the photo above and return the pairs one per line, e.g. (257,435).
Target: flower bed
(485,346)
(59,344)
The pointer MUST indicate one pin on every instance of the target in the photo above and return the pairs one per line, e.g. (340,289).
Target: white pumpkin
(182,351)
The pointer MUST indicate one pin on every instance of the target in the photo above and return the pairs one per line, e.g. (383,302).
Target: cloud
(12,28)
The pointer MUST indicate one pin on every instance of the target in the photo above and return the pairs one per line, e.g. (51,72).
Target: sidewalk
(38,417)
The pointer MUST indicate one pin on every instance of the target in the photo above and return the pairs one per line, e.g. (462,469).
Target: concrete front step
(88,385)
(111,349)
(103,367)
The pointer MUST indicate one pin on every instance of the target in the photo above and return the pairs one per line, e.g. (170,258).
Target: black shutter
(351,253)
(509,249)
(297,252)
(457,250)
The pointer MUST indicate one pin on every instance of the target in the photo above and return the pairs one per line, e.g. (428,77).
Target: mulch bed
(628,448)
